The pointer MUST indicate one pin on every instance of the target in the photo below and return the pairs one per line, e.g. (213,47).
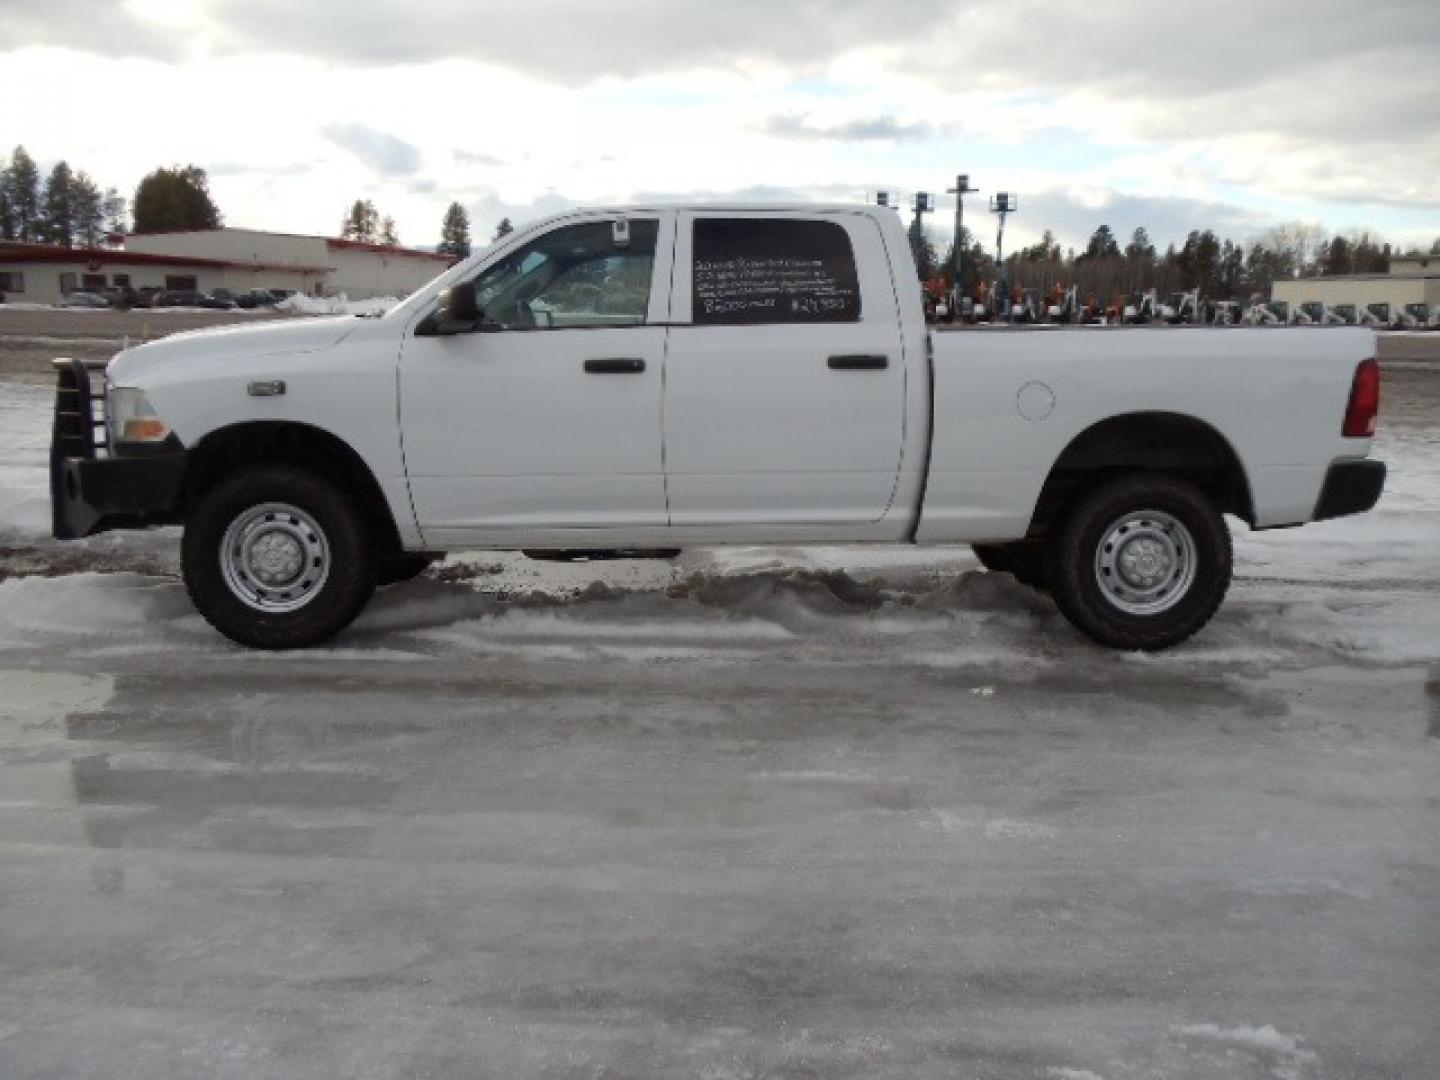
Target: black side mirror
(455,313)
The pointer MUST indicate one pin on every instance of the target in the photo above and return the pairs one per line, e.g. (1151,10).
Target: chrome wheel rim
(1145,562)
(275,558)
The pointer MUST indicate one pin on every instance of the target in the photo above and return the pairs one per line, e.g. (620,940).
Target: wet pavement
(507,867)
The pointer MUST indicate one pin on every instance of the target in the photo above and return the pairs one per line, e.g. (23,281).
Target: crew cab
(646,378)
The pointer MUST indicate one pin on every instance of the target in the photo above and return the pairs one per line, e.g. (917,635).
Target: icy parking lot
(812,812)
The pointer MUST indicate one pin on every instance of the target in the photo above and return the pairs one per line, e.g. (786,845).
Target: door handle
(615,365)
(859,363)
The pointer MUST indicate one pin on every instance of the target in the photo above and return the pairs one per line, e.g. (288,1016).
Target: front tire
(276,558)
(1141,563)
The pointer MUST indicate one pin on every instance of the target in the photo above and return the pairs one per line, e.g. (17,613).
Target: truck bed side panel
(1008,403)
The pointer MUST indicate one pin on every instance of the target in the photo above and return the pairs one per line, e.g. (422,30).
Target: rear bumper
(1351,487)
(90,493)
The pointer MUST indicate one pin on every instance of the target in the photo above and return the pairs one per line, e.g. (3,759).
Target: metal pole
(1000,263)
(1002,204)
(960,190)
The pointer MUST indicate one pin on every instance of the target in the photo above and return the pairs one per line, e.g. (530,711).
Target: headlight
(132,419)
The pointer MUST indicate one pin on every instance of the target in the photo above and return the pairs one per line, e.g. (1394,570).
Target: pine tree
(503,229)
(362,222)
(22,197)
(1102,245)
(114,210)
(1140,248)
(89,209)
(388,234)
(7,216)
(455,232)
(60,205)
(1335,257)
(175,199)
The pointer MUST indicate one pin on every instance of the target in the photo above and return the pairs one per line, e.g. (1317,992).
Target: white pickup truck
(636,380)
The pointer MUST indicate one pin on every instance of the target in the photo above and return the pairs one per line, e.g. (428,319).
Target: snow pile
(1281,1054)
(300,304)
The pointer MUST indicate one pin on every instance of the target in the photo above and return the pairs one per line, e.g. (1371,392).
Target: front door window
(591,275)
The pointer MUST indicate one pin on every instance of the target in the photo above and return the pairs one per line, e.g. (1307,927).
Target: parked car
(120,296)
(256,298)
(219,299)
(83,299)
(177,298)
(771,381)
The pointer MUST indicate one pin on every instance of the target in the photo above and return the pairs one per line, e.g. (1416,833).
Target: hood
(271,338)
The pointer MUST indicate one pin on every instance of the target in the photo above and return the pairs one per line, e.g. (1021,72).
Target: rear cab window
(748,270)
(780,268)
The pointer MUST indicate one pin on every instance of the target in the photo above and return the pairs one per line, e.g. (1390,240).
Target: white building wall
(360,273)
(1359,290)
(237,245)
(327,267)
(44,280)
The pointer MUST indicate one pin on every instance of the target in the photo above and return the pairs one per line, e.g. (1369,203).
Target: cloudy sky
(1234,114)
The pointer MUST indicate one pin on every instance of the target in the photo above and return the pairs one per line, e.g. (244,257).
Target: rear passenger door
(784,372)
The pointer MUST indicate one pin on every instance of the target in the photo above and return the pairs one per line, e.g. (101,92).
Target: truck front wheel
(1142,562)
(276,558)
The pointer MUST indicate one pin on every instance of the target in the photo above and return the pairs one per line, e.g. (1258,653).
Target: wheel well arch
(288,442)
(1162,442)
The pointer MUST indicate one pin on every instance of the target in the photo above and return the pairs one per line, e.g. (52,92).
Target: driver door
(548,417)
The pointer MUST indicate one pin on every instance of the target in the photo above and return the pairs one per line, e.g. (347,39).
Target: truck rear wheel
(1142,562)
(276,558)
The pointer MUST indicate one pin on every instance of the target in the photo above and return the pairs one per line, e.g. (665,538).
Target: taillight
(1364,404)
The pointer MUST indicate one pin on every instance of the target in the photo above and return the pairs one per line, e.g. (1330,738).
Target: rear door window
(754,270)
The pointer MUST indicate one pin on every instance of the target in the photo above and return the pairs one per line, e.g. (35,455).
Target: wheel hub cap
(1145,563)
(275,558)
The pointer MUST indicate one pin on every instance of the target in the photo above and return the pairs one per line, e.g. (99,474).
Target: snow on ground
(300,304)
(1366,587)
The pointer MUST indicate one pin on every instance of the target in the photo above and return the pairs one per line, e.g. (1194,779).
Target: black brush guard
(91,491)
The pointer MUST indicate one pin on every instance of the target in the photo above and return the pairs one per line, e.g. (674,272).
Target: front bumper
(1351,487)
(90,493)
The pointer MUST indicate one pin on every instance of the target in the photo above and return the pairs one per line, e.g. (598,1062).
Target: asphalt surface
(651,835)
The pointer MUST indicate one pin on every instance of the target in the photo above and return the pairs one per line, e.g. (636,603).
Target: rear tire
(275,557)
(1141,563)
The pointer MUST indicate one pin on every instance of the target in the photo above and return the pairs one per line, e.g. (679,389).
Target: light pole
(960,190)
(924,204)
(1002,204)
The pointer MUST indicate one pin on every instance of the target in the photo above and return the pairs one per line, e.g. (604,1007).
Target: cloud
(107,28)
(384,153)
(1261,106)
(576,41)
(867,129)
(245,168)
(469,157)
